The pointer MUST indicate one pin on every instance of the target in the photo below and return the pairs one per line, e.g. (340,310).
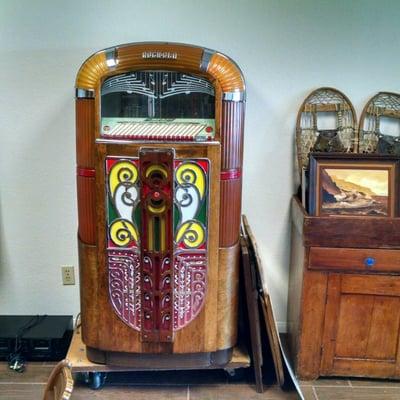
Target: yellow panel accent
(150,234)
(122,232)
(122,171)
(157,168)
(192,173)
(192,234)
(156,210)
(162,234)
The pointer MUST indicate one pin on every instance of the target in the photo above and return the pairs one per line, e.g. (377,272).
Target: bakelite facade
(159,134)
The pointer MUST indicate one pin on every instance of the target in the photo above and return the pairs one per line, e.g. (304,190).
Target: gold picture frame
(363,185)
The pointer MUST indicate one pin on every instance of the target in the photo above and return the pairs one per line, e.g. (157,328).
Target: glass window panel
(157,94)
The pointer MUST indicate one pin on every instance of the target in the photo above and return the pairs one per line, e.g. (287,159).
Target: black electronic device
(35,338)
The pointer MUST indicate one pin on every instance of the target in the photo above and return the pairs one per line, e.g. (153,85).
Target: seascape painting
(354,191)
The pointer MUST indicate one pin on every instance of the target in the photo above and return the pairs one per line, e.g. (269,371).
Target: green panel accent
(202,214)
(112,212)
(137,217)
(176,217)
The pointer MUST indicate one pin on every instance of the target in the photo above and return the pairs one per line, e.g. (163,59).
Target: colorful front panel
(123,216)
(157,210)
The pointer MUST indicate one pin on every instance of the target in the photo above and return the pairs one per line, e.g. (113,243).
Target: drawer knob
(369,262)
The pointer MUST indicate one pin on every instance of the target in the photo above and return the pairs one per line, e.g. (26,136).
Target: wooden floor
(185,385)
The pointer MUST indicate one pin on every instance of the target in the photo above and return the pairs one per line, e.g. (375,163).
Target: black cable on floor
(16,360)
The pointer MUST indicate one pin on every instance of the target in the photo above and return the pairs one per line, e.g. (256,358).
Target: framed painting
(364,185)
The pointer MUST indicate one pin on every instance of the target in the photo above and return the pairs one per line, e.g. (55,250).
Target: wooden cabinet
(361,326)
(344,296)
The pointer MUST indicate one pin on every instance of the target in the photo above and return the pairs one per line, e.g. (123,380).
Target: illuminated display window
(158,105)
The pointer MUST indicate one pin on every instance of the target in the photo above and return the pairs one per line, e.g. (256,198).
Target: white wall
(285,49)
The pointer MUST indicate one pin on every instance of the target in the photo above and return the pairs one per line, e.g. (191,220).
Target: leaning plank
(251,296)
(279,356)
(266,306)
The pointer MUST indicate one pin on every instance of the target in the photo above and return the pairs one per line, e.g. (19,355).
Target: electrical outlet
(68,274)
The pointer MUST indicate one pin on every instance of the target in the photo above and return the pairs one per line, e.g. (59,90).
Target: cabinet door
(361,332)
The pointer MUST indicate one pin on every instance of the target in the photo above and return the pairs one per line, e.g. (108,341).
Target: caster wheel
(96,380)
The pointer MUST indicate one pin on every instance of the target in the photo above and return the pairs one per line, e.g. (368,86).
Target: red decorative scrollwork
(190,284)
(125,286)
(156,197)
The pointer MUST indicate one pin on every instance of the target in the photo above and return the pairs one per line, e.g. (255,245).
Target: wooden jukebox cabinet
(159,131)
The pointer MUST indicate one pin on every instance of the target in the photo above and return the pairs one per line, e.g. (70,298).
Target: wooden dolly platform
(80,363)
(95,373)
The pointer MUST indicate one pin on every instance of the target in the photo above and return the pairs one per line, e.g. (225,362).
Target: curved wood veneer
(226,72)
(189,58)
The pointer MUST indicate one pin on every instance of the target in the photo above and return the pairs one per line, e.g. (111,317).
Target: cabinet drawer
(344,259)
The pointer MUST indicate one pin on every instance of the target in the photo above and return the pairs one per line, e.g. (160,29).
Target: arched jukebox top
(159,152)
(164,83)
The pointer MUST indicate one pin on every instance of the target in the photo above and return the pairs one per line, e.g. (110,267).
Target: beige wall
(285,49)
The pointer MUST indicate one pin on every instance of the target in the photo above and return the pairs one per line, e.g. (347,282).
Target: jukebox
(159,141)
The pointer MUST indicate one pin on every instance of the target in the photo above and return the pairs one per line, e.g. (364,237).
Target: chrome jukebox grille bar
(157,84)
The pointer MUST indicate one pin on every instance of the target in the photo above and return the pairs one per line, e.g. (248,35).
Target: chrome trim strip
(84,93)
(234,96)
(205,59)
(158,143)
(111,57)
